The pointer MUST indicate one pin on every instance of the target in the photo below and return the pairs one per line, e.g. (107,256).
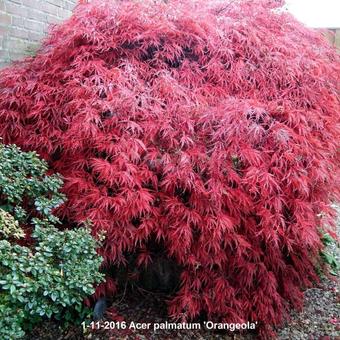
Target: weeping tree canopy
(208,128)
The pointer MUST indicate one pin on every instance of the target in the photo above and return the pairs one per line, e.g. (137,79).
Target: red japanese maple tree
(210,127)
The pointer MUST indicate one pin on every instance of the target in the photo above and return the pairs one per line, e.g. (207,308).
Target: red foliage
(212,127)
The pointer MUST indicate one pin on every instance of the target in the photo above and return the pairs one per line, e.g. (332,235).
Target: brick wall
(23,23)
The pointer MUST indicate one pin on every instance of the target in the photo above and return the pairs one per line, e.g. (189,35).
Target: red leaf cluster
(211,126)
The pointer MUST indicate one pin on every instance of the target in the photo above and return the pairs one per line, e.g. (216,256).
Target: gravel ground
(319,319)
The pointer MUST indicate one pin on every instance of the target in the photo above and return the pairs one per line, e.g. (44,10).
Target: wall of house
(23,23)
(333,35)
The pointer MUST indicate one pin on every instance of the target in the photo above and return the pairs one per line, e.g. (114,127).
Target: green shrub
(327,255)
(51,277)
(58,273)
(24,183)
